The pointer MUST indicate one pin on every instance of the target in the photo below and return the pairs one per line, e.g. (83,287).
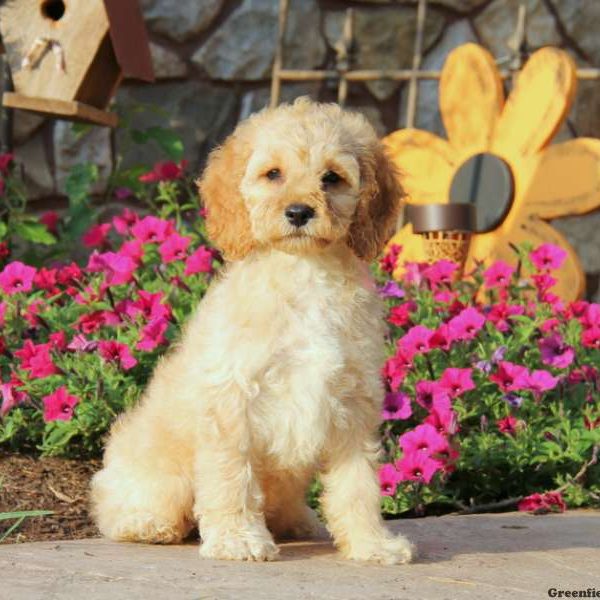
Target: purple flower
(555,353)
(396,405)
(391,290)
(499,354)
(513,399)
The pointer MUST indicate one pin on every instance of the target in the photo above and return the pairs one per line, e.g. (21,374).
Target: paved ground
(480,557)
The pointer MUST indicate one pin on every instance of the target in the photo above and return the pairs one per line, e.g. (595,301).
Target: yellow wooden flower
(548,182)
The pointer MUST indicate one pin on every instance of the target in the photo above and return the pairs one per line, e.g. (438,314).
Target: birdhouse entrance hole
(53,9)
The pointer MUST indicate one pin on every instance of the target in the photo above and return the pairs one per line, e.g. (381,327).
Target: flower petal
(425,162)
(412,248)
(566,180)
(495,246)
(538,104)
(471,97)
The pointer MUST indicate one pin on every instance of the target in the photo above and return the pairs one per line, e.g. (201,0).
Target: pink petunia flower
(498,275)
(457,381)
(59,405)
(416,340)
(150,306)
(6,160)
(388,479)
(443,420)
(174,248)
(500,315)
(591,315)
(11,396)
(548,257)
(58,340)
(418,466)
(91,322)
(442,337)
(441,271)
(96,236)
(68,274)
(444,296)
(510,377)
(200,261)
(543,503)
(430,395)
(396,368)
(413,272)
(134,249)
(118,268)
(50,219)
(590,338)
(153,335)
(46,279)
(396,405)
(3,307)
(540,381)
(152,230)
(389,261)
(36,359)
(555,353)
(466,325)
(16,277)
(400,315)
(164,171)
(508,425)
(117,352)
(423,438)
(124,221)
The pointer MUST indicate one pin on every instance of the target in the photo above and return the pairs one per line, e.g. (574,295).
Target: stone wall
(213,59)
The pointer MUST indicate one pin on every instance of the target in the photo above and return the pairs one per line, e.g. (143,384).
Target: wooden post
(413,86)
(278,61)
(344,48)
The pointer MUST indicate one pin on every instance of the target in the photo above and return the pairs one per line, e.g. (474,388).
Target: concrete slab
(477,557)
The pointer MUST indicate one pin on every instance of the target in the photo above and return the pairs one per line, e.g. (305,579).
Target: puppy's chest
(313,369)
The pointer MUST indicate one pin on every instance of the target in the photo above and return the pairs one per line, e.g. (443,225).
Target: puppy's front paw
(386,550)
(239,547)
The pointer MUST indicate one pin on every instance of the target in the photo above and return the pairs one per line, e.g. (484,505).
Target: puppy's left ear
(378,206)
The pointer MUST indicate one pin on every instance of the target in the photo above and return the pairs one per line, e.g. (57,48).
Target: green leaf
(139,136)
(24,513)
(169,142)
(3,230)
(35,232)
(20,516)
(78,184)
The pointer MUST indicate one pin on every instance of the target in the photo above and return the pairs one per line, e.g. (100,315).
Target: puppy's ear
(378,206)
(227,220)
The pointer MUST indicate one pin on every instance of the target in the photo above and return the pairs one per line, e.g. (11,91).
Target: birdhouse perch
(67,57)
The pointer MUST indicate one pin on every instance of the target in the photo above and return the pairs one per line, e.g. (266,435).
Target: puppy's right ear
(227,220)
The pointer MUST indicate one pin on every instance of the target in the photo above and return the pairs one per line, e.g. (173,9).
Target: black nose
(299,214)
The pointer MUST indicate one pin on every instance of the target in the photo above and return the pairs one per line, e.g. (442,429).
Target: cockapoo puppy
(277,375)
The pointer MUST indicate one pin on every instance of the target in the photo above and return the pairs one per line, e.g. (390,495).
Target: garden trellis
(344,75)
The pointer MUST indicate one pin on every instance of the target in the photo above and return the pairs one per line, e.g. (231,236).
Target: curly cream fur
(277,375)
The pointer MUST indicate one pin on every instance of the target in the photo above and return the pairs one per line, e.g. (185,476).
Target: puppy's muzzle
(299,214)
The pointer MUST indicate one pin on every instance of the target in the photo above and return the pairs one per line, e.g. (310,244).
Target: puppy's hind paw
(234,547)
(386,551)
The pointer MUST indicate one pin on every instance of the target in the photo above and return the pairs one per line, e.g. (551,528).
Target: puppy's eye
(330,178)
(273,174)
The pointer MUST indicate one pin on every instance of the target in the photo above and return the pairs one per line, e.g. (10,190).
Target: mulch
(56,484)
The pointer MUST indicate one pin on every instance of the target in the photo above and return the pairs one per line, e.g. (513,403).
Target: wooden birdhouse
(67,57)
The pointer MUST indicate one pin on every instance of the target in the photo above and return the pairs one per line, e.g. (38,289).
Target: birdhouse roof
(129,39)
